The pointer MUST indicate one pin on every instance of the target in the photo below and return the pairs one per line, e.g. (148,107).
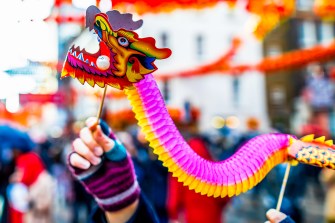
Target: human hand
(275,216)
(103,166)
(91,145)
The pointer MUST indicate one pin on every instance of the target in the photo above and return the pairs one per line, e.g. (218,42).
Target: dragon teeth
(80,57)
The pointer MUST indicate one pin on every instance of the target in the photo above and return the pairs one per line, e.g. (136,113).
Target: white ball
(103,62)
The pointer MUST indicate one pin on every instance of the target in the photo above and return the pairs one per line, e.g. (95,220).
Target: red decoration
(23,116)
(270,13)
(297,58)
(219,65)
(57,98)
(325,8)
(60,2)
(66,19)
(154,6)
(121,119)
(293,59)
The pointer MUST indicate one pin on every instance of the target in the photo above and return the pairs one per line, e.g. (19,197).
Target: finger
(92,123)
(78,161)
(80,148)
(86,135)
(275,216)
(104,141)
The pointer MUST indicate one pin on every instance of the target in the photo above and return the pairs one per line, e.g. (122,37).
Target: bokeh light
(218,122)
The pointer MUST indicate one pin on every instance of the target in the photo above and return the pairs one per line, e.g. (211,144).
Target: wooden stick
(102,103)
(283,186)
(93,127)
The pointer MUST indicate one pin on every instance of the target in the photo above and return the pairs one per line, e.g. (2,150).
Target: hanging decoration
(154,6)
(270,14)
(325,9)
(120,120)
(222,64)
(289,60)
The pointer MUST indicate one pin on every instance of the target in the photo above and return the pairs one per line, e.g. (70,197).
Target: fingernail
(96,160)
(91,122)
(271,213)
(85,165)
(98,151)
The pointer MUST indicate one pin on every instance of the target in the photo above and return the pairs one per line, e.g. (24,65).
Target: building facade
(200,37)
(285,88)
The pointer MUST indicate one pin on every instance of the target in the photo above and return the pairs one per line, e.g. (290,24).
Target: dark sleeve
(144,213)
(287,220)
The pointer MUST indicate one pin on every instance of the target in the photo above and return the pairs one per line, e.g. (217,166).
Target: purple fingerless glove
(113,182)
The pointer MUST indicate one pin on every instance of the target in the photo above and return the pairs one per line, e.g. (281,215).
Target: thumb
(275,216)
(98,134)
(103,140)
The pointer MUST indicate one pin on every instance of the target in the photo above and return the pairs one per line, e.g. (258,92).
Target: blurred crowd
(36,185)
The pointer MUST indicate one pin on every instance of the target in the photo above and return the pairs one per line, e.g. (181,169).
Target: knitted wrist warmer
(113,182)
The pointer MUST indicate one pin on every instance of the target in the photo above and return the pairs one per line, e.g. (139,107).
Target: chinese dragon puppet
(126,61)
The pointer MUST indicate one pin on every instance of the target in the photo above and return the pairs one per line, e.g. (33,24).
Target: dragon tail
(239,173)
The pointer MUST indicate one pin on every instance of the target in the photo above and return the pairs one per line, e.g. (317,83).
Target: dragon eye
(123,41)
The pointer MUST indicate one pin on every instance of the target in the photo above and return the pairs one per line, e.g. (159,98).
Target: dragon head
(122,59)
(317,152)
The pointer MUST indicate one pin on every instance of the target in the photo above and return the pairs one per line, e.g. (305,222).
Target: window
(327,32)
(307,34)
(273,50)
(164,39)
(305,5)
(236,90)
(166,93)
(200,46)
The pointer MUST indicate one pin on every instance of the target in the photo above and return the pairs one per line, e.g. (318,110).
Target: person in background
(128,142)
(31,186)
(6,169)
(295,191)
(319,94)
(328,179)
(155,181)
(253,130)
(105,169)
(151,174)
(192,206)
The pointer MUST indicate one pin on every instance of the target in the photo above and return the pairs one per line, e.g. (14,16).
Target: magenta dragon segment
(248,166)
